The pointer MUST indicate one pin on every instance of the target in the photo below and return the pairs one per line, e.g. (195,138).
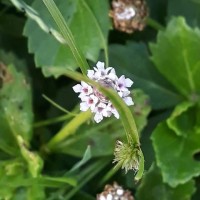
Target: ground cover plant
(99,99)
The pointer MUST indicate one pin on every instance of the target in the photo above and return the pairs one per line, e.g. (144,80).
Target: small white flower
(94,100)
(123,83)
(83,88)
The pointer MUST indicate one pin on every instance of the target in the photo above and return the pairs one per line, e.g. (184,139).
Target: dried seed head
(127,156)
(129,15)
(115,192)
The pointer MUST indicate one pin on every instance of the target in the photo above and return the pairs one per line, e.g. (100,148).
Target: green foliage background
(36,164)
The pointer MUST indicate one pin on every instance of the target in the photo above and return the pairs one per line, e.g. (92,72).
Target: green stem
(96,168)
(109,175)
(58,106)
(52,121)
(67,35)
(154,24)
(69,129)
(124,112)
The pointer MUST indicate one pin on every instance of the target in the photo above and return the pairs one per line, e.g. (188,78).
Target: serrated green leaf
(15,107)
(77,13)
(133,60)
(180,120)
(175,152)
(152,187)
(177,53)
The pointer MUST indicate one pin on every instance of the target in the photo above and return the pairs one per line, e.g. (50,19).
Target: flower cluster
(94,100)
(112,192)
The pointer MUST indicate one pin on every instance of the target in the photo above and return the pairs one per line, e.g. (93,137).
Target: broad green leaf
(175,152)
(152,187)
(133,60)
(77,13)
(180,120)
(15,107)
(190,9)
(176,56)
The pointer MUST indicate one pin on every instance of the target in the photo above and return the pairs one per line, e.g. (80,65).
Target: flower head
(94,100)
(115,191)
(127,156)
(129,15)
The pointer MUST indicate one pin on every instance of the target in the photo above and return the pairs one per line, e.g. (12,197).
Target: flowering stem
(67,35)
(125,113)
(52,121)
(69,129)
(154,24)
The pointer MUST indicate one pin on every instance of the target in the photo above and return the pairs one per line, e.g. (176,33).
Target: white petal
(108,69)
(98,75)
(83,97)
(112,76)
(126,93)
(77,88)
(115,113)
(120,94)
(98,117)
(84,106)
(84,84)
(106,113)
(90,74)
(128,101)
(102,197)
(95,99)
(100,65)
(109,197)
(102,105)
(121,79)
(128,82)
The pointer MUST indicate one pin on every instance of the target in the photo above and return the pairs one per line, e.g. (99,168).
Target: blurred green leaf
(190,9)
(77,14)
(35,192)
(15,106)
(95,138)
(86,157)
(177,53)
(7,26)
(132,60)
(152,187)
(141,108)
(175,152)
